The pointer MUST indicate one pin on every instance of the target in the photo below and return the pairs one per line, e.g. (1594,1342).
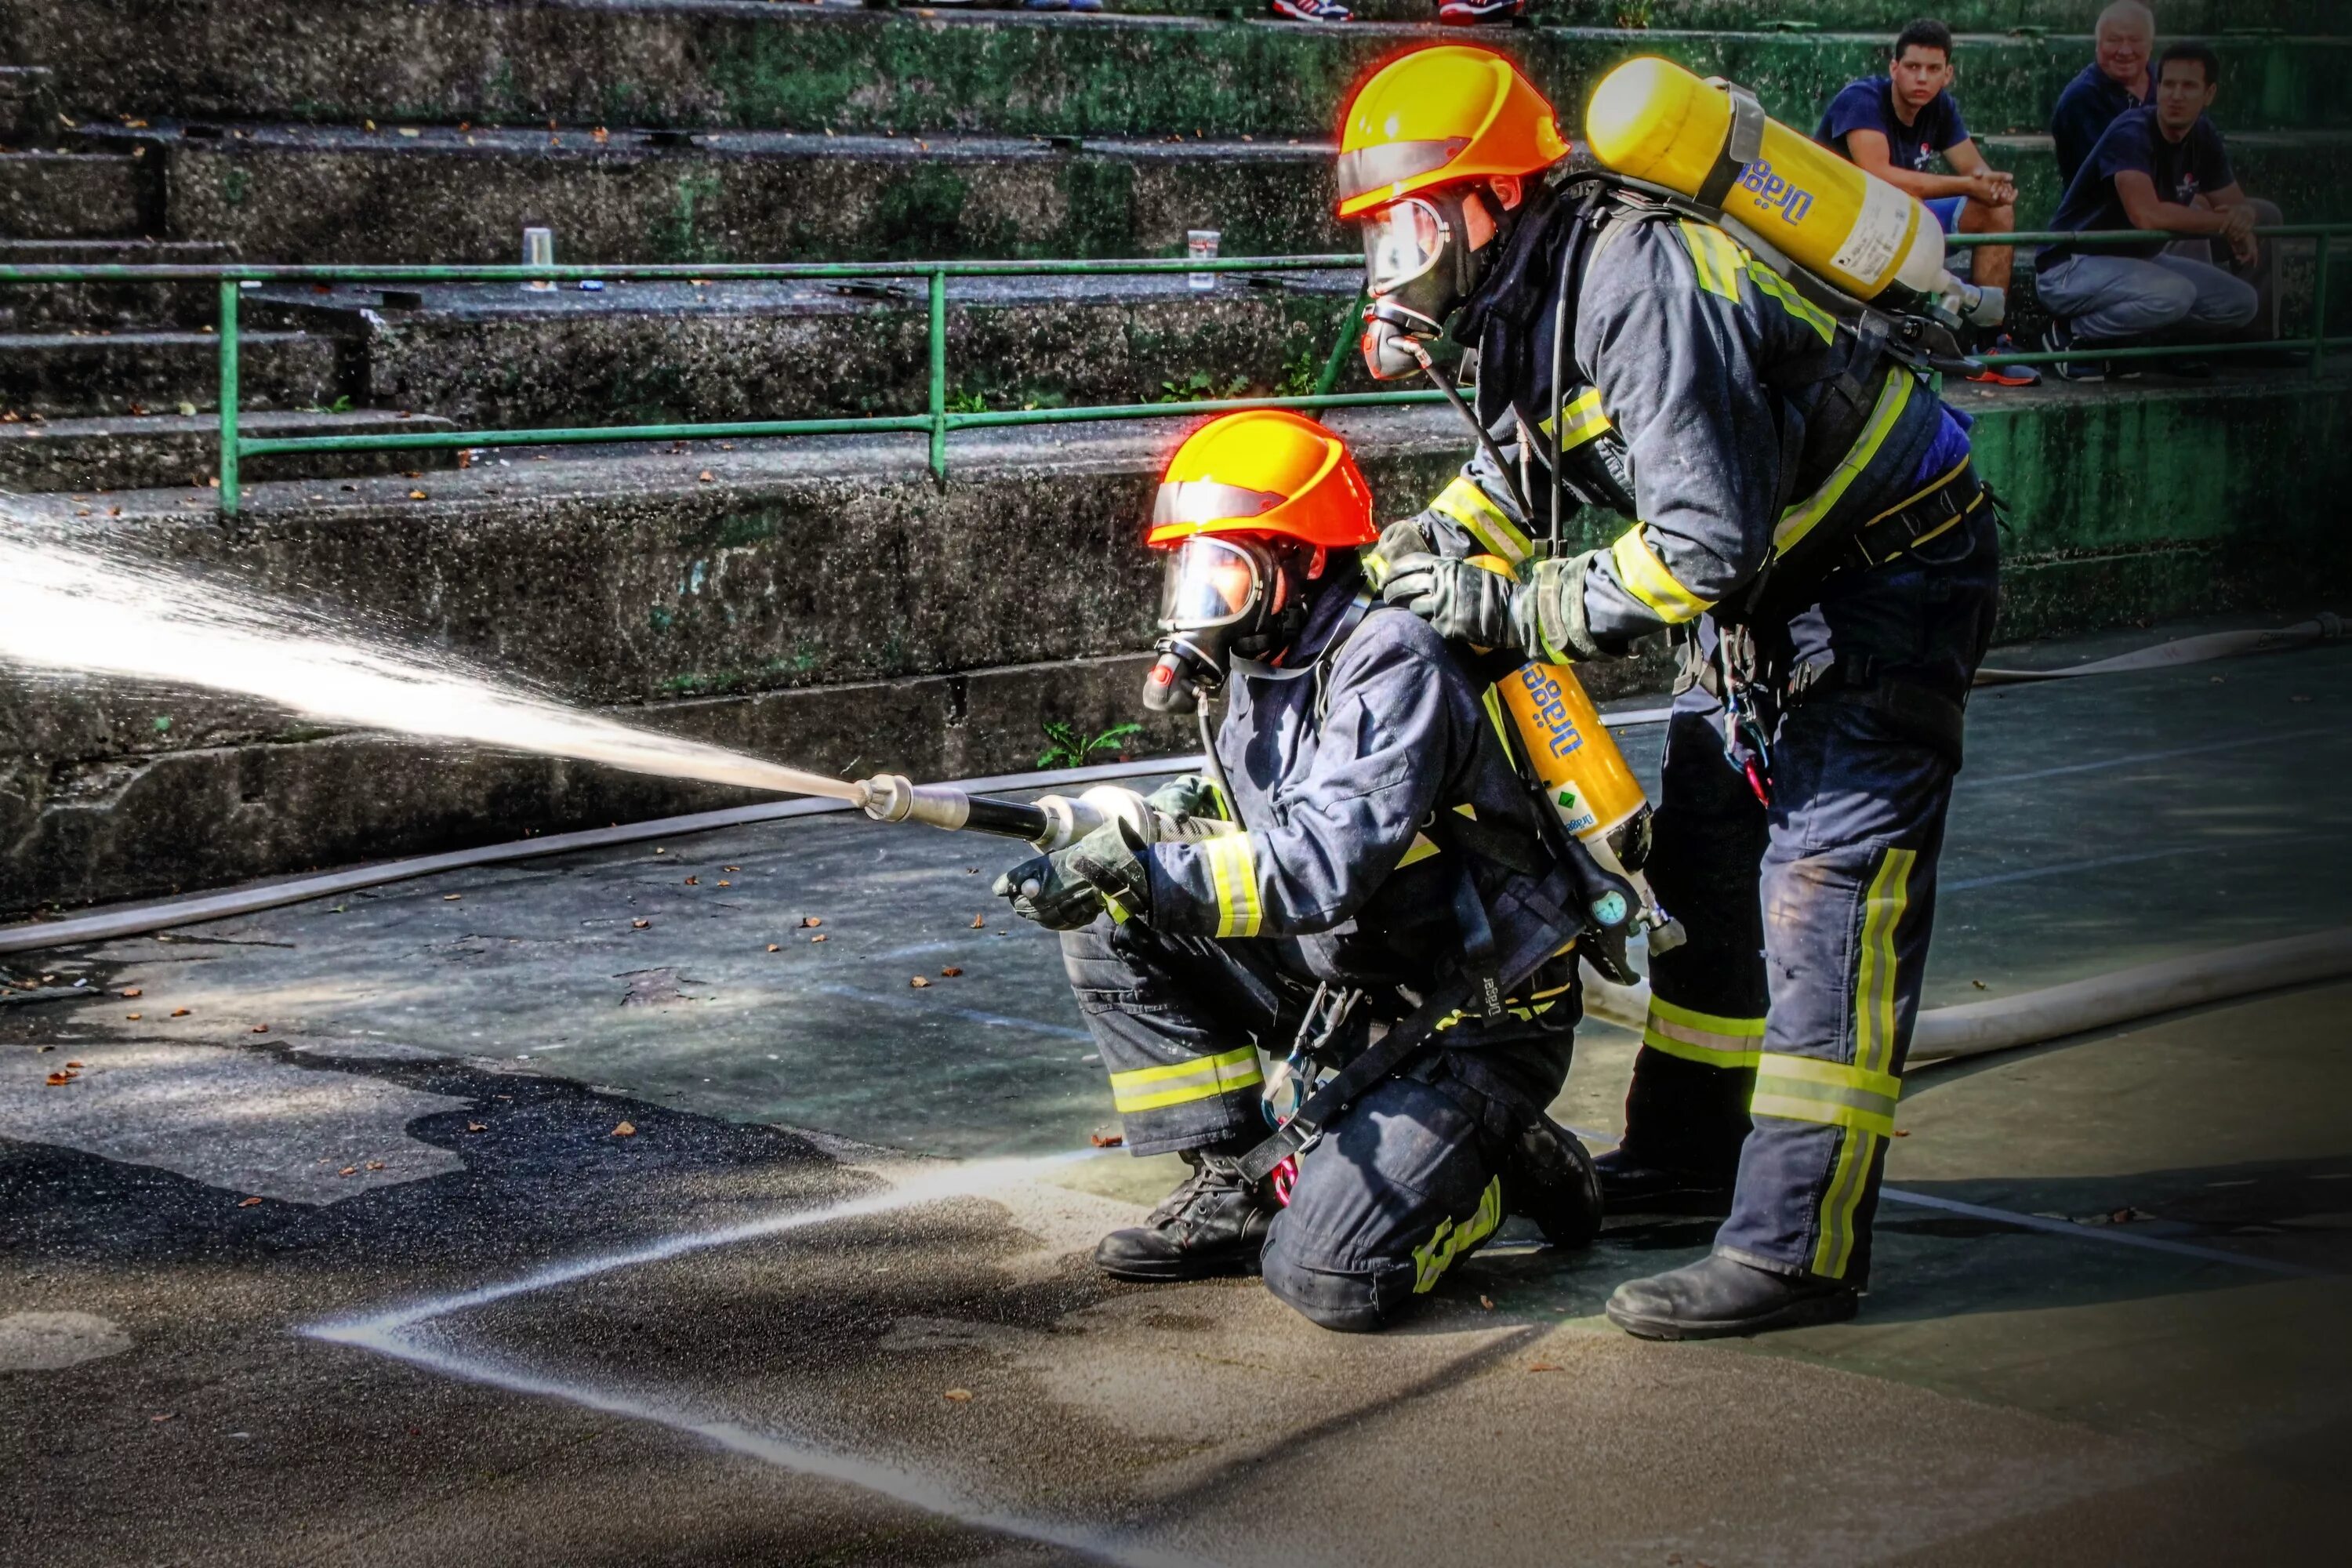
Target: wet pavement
(353,1261)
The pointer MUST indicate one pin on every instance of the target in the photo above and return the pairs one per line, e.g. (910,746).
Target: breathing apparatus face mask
(1418,265)
(1224,594)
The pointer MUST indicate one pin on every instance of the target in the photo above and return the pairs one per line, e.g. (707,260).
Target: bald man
(2115,80)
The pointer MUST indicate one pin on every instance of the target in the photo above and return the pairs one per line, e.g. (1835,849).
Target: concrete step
(499,356)
(47,306)
(297,192)
(68,373)
(60,195)
(142,452)
(823,601)
(739,64)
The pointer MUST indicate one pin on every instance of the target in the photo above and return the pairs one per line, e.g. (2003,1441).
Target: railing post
(1339,357)
(939,344)
(2326,242)
(228,394)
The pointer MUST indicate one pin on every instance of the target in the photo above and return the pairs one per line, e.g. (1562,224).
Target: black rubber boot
(1214,1223)
(1720,1297)
(1630,1184)
(1548,1176)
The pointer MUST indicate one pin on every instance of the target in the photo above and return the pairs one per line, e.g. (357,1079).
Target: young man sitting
(2160,167)
(1896,126)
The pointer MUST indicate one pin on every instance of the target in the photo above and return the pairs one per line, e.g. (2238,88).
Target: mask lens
(1209,584)
(1401,242)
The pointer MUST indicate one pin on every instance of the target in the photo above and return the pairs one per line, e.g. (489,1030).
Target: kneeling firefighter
(1377,901)
(1805,527)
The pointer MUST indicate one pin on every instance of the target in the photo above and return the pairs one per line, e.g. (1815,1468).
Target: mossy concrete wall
(840,612)
(739,63)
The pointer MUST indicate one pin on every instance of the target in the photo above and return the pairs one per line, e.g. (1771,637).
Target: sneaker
(2057,339)
(1313,11)
(1214,1223)
(2007,375)
(1471,13)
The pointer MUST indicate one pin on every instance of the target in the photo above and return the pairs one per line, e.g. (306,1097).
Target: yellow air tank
(1586,778)
(1651,120)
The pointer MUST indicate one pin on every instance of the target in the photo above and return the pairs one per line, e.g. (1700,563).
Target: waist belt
(1914,710)
(1934,511)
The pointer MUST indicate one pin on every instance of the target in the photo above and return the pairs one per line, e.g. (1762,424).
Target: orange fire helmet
(1266,470)
(1440,115)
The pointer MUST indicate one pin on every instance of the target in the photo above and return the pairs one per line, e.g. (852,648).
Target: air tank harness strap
(1953,498)
(1461,837)
(1741,148)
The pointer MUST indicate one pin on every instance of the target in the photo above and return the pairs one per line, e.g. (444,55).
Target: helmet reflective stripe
(1367,169)
(1207,501)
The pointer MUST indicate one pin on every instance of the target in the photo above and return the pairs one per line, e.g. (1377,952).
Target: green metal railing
(936,421)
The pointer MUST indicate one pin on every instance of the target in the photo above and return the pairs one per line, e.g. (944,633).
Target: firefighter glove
(1466,601)
(1398,539)
(1190,797)
(1067,889)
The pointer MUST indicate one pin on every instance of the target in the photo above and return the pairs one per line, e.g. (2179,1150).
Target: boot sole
(1175,1273)
(1812,1311)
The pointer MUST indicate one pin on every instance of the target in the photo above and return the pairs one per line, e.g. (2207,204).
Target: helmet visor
(1402,241)
(1207,501)
(1212,582)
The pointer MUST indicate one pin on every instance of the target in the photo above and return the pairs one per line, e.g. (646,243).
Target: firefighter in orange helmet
(1336,892)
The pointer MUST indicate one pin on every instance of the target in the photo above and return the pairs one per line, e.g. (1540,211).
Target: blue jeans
(2107,298)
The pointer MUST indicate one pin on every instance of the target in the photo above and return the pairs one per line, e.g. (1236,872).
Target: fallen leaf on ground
(416,494)
(134,1018)
(1109,1140)
(950,972)
(1487,1302)
(349,1171)
(730,867)
(1978,984)
(818,937)
(73,1067)
(919,983)
(809,922)
(958,1395)
(626,1130)
(451,897)
(56,1079)
(1543,1366)
(725,883)
(706,475)
(179,1012)
(132,991)
(247,1203)
(980,922)
(262,1028)
(639,925)
(773,947)
(476,1127)
(375,1164)
(165,1416)
(694,882)
(1903,1133)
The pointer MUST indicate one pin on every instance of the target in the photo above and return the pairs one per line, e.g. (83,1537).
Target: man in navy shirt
(2160,167)
(1897,126)
(2115,80)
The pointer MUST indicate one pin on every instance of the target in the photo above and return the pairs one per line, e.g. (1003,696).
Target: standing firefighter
(1378,863)
(1806,529)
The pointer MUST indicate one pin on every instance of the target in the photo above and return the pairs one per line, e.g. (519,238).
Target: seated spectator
(2159,167)
(2117,79)
(1896,126)
(1312,11)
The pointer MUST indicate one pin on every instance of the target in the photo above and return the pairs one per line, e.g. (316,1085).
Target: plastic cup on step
(538,250)
(1200,245)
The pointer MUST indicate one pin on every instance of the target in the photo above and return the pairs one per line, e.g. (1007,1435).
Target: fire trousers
(1777,1034)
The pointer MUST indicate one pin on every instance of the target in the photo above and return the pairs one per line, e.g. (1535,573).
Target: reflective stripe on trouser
(1846,927)
(1687,1107)
(1175,1018)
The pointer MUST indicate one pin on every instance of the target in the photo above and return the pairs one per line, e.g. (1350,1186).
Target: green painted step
(2184,18)
(722,63)
(301,193)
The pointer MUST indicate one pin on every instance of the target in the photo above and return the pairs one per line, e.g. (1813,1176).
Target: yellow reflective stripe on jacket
(1831,1094)
(1798,520)
(1883,910)
(1233,870)
(1796,304)
(1180,1083)
(1449,1241)
(1471,506)
(1644,575)
(1717,259)
(1583,420)
(1703,1038)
